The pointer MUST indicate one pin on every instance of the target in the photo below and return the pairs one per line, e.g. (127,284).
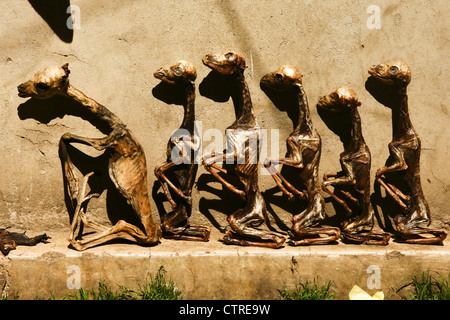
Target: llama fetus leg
(338,180)
(68,172)
(331,175)
(368,238)
(176,226)
(269,164)
(325,185)
(7,246)
(348,195)
(399,164)
(359,230)
(353,229)
(121,230)
(334,180)
(233,238)
(244,226)
(410,232)
(308,236)
(68,167)
(189,233)
(73,183)
(159,173)
(391,192)
(276,175)
(209,161)
(414,236)
(304,230)
(402,196)
(79,214)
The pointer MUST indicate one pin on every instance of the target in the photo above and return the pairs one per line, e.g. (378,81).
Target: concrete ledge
(214,270)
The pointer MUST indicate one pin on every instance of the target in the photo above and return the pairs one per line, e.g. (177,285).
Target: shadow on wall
(54,12)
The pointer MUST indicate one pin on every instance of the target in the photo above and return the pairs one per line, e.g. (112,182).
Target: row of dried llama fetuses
(128,171)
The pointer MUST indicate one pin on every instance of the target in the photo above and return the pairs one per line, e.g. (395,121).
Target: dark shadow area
(179,177)
(219,88)
(274,197)
(54,12)
(45,111)
(285,102)
(340,123)
(385,207)
(387,96)
(227,204)
(340,215)
(170,93)
(159,198)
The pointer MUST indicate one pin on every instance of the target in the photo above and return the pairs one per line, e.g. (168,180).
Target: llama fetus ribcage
(352,184)
(181,160)
(127,166)
(243,139)
(303,154)
(405,149)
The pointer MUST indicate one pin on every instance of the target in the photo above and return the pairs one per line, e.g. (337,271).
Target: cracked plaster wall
(121,43)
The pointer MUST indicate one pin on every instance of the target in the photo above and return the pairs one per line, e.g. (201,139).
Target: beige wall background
(120,44)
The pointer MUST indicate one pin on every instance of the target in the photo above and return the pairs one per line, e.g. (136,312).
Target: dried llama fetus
(243,142)
(303,154)
(405,149)
(127,164)
(184,144)
(10,240)
(353,182)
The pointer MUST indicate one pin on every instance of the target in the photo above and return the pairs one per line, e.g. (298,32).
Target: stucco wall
(120,44)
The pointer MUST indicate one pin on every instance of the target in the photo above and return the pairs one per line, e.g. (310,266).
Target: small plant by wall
(308,291)
(426,286)
(159,287)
